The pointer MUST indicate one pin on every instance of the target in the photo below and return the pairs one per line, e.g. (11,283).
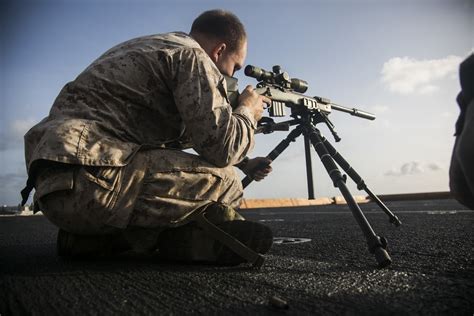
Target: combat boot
(74,245)
(218,235)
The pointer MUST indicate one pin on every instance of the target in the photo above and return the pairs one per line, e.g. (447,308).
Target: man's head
(221,34)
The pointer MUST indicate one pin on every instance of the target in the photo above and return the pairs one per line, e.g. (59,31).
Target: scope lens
(299,85)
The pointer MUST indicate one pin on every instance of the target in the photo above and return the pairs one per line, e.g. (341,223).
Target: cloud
(13,136)
(20,127)
(433,167)
(10,179)
(10,186)
(407,75)
(413,168)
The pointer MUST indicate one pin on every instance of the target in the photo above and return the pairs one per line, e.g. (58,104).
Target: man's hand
(253,101)
(257,168)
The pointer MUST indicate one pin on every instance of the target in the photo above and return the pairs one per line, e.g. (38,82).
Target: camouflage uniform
(113,139)
(461,172)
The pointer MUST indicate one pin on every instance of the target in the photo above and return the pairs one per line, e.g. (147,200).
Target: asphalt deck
(432,270)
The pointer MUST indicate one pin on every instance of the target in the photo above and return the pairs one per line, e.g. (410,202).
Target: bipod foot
(382,257)
(379,249)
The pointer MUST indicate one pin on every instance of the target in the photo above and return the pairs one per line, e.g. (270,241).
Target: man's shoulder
(179,38)
(166,41)
(148,46)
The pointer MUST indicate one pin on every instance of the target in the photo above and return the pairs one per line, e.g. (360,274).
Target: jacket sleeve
(219,134)
(461,171)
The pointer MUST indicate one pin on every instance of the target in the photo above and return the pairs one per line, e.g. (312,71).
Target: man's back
(128,99)
(127,89)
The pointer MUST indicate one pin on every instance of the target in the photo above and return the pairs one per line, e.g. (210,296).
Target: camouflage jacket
(150,92)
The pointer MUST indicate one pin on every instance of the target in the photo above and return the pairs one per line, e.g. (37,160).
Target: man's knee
(178,170)
(70,198)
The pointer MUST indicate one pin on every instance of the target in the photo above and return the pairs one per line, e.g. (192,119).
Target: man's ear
(217,51)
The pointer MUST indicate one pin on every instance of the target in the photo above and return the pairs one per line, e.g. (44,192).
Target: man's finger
(249,88)
(262,165)
(268,168)
(268,161)
(266,100)
(261,174)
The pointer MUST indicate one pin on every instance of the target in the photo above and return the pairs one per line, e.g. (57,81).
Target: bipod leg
(377,245)
(278,150)
(358,180)
(309,168)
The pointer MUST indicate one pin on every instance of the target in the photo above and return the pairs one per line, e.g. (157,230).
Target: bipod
(329,156)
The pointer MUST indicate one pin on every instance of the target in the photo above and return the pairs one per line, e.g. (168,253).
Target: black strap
(231,242)
(25,193)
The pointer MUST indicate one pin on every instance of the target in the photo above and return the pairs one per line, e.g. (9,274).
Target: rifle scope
(277,76)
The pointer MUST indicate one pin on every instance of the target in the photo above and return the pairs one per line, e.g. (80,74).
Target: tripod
(306,126)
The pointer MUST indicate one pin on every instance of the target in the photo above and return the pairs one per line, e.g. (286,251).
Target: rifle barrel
(353,111)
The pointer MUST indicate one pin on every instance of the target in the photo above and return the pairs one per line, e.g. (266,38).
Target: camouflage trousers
(158,188)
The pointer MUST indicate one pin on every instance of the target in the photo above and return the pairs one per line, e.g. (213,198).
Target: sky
(396,59)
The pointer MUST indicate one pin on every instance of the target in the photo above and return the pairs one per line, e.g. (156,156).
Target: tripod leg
(277,150)
(358,180)
(309,168)
(376,244)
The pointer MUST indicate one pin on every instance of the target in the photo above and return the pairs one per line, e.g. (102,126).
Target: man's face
(230,62)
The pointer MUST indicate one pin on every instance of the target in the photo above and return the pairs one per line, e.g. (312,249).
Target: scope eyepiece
(258,73)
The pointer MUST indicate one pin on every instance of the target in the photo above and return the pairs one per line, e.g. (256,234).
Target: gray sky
(397,59)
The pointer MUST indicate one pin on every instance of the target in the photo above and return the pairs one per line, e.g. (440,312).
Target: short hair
(222,25)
